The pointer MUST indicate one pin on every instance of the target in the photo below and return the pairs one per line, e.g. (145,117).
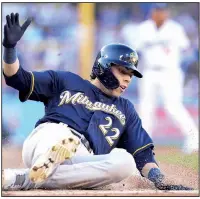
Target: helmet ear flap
(92,76)
(95,66)
(108,79)
(96,71)
(105,75)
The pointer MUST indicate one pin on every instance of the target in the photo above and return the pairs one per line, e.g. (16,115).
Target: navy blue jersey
(105,121)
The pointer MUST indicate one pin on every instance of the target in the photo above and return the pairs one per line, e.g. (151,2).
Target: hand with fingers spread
(13,31)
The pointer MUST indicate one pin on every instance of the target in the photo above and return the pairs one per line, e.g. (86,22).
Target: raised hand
(13,31)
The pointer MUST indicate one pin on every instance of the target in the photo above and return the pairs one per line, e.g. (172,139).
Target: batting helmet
(117,55)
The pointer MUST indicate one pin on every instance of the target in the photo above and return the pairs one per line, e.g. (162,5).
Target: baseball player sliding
(161,42)
(72,145)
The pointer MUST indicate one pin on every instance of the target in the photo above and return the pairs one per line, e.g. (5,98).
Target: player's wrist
(9,45)
(155,176)
(6,44)
(10,55)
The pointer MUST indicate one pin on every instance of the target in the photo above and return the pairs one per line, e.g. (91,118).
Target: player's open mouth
(122,88)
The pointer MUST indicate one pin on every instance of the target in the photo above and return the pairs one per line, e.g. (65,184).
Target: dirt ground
(133,186)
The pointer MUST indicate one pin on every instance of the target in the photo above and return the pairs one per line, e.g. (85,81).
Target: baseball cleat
(14,179)
(45,164)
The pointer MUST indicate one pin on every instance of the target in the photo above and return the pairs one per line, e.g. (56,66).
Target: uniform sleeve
(37,86)
(144,157)
(182,40)
(135,139)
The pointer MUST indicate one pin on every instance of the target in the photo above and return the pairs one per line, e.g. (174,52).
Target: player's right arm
(38,86)
(12,34)
(10,69)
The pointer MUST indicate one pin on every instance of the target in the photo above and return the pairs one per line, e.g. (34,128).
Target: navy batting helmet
(114,55)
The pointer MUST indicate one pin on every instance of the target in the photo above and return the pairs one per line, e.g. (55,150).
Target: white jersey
(161,47)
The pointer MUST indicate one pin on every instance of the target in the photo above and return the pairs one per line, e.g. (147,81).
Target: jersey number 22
(106,127)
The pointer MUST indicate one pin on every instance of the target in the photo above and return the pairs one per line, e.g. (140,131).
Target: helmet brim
(137,73)
(132,67)
(129,66)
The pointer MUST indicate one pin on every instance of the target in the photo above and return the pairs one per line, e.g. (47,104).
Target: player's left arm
(149,169)
(137,142)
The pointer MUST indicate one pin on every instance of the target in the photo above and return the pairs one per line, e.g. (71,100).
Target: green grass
(189,161)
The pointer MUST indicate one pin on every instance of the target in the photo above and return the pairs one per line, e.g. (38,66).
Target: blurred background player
(161,42)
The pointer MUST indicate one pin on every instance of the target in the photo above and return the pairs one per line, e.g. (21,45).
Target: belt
(82,139)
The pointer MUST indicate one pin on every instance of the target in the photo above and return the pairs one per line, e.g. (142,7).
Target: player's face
(124,77)
(159,16)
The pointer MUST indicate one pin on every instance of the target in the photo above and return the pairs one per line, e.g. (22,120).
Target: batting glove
(162,186)
(162,183)
(13,31)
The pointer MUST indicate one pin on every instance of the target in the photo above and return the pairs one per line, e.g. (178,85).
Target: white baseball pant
(84,170)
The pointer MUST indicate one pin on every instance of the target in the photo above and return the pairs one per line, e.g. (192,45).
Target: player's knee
(122,166)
